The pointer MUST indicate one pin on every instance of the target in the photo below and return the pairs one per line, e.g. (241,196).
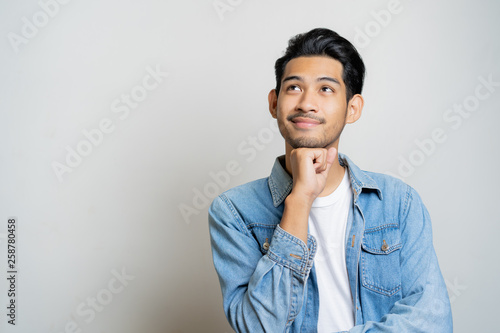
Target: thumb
(330,158)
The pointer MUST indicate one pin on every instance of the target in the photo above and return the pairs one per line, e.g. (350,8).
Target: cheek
(282,122)
(280,115)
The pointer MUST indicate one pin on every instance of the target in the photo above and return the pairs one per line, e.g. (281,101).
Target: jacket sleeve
(261,292)
(425,306)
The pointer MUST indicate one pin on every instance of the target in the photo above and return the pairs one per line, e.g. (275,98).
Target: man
(320,245)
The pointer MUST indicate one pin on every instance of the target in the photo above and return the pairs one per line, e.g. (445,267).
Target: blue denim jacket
(267,275)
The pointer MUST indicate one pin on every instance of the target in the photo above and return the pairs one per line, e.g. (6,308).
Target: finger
(330,158)
(320,162)
(331,155)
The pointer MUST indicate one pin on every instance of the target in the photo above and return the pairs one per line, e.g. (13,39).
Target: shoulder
(396,189)
(245,202)
(387,187)
(374,185)
(249,190)
(396,196)
(390,186)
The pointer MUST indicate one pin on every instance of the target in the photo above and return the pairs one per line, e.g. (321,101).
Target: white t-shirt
(327,223)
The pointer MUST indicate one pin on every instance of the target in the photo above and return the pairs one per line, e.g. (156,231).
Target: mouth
(303,122)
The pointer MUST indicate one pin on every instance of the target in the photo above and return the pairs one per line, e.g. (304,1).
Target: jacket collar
(280,182)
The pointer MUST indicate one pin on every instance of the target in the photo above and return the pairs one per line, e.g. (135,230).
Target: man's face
(311,106)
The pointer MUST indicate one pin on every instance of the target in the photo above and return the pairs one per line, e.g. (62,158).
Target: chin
(306,143)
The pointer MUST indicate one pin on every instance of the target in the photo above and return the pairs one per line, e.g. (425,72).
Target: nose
(307,102)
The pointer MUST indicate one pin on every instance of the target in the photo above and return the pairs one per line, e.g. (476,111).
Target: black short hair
(325,42)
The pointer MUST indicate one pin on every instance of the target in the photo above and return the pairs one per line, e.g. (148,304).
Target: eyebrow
(323,78)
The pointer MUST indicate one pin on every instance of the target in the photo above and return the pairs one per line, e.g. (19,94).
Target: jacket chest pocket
(380,262)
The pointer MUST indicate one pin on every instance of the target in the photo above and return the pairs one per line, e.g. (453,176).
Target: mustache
(293,116)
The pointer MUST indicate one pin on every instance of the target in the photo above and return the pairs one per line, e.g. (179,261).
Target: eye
(293,87)
(327,89)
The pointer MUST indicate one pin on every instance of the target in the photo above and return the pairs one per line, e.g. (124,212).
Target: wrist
(296,216)
(298,199)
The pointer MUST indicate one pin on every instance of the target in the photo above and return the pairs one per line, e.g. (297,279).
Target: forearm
(295,216)
(310,167)
(262,293)
(275,292)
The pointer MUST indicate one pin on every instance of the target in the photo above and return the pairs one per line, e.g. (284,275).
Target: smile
(302,122)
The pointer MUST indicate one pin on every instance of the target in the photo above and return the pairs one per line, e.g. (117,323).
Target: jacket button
(384,246)
(266,244)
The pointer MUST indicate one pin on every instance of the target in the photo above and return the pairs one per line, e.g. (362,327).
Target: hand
(310,167)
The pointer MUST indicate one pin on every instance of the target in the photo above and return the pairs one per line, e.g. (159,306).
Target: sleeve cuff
(290,251)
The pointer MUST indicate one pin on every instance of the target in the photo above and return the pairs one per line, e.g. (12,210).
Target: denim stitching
(374,287)
(380,227)
(235,213)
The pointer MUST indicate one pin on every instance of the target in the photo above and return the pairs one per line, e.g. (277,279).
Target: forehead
(314,67)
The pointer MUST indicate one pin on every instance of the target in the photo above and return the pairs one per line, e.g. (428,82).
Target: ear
(354,109)
(273,103)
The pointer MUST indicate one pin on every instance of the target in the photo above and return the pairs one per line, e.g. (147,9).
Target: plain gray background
(119,209)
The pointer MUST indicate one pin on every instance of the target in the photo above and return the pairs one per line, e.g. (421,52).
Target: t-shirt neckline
(335,196)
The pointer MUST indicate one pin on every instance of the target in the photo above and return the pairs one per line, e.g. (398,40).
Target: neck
(335,174)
